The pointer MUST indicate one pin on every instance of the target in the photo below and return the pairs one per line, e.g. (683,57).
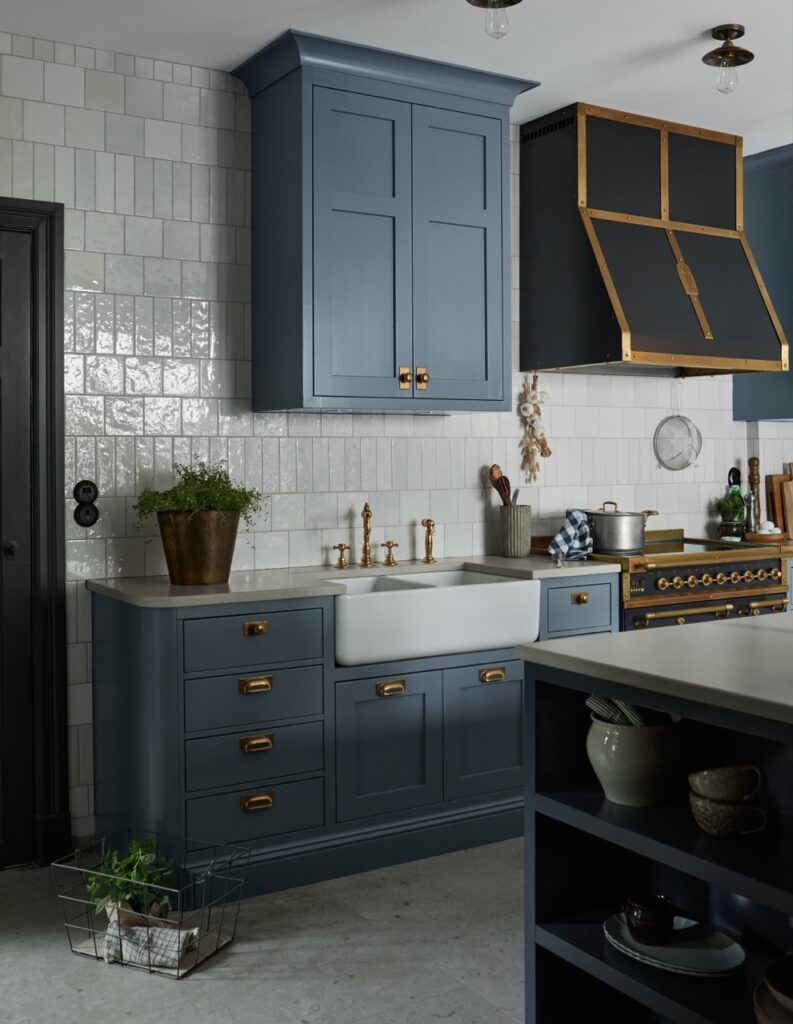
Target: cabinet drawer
(221,760)
(221,819)
(219,701)
(389,744)
(253,639)
(579,609)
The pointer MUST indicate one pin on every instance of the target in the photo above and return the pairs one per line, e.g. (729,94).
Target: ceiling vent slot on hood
(633,256)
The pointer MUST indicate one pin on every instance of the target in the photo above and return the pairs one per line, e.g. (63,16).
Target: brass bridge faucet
(366,555)
(429,526)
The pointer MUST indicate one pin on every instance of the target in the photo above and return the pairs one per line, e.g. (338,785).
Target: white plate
(694,948)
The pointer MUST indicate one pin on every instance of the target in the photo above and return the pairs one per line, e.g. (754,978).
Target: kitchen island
(732,685)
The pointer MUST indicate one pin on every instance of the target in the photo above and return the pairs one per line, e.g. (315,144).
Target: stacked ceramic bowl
(721,800)
(773,998)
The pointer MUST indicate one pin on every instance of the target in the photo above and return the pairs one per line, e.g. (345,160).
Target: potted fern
(732,510)
(198,519)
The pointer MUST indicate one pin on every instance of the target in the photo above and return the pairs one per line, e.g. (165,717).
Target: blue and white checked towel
(148,947)
(574,539)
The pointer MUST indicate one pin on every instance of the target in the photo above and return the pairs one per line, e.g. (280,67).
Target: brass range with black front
(677,580)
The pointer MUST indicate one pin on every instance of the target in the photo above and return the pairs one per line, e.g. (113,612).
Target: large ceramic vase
(198,546)
(635,765)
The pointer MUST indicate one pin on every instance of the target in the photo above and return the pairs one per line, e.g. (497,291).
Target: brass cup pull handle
(580,598)
(392,689)
(253,744)
(257,801)
(261,684)
(254,628)
(492,675)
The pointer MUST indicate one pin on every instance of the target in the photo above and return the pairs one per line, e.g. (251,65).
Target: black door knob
(9,549)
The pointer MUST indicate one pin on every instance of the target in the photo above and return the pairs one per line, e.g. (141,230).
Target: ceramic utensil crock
(635,765)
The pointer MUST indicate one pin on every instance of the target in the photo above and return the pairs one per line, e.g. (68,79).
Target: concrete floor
(436,940)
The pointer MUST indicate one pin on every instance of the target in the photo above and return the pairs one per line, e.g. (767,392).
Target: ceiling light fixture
(728,57)
(496,20)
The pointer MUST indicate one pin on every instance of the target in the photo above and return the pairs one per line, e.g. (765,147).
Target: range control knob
(706,580)
(691,582)
(663,583)
(721,579)
(735,577)
(678,582)
(748,576)
(776,574)
(761,574)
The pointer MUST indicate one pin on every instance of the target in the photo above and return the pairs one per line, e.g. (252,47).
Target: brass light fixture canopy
(493,3)
(728,54)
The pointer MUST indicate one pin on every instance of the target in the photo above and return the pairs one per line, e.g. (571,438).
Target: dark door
(389,744)
(34,819)
(457,255)
(362,257)
(17,803)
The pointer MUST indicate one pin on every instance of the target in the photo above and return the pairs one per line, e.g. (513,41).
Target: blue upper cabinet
(768,215)
(380,213)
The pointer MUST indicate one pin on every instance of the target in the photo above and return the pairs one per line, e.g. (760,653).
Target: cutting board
(775,507)
(787,501)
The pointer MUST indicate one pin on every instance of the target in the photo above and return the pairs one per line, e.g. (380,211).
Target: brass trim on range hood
(695,363)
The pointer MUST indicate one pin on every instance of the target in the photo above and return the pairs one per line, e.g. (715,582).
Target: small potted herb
(732,510)
(131,885)
(198,520)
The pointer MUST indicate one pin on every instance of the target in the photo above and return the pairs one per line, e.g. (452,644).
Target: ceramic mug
(636,765)
(734,783)
(720,819)
(650,918)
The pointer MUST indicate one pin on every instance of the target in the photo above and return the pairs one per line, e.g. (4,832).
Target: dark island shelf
(676,998)
(585,854)
(759,867)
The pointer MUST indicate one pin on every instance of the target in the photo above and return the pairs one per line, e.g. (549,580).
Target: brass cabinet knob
(405,378)
(422,378)
(254,628)
(256,801)
(260,684)
(663,583)
(580,598)
(392,689)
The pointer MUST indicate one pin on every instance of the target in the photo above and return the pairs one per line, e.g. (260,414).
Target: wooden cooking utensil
(787,503)
(500,484)
(775,507)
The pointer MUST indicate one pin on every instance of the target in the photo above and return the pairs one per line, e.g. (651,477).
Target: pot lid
(614,511)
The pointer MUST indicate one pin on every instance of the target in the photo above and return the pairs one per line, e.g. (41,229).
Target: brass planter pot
(198,546)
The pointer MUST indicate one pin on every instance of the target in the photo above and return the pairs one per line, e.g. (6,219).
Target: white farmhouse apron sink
(418,615)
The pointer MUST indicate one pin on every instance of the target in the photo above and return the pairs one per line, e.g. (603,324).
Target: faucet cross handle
(342,562)
(389,558)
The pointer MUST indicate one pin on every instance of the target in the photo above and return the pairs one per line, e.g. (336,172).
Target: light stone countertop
(284,584)
(744,665)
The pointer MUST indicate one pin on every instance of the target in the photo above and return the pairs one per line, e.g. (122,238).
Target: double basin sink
(418,615)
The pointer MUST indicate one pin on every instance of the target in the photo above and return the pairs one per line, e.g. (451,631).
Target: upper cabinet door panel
(362,240)
(457,254)
(623,167)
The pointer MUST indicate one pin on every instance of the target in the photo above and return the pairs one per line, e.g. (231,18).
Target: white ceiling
(636,55)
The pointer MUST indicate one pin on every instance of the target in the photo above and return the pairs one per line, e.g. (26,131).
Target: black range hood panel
(609,279)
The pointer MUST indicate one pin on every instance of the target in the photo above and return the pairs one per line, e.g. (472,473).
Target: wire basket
(204,902)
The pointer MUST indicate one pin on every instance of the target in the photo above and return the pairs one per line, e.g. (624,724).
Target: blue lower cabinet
(575,605)
(389,744)
(482,728)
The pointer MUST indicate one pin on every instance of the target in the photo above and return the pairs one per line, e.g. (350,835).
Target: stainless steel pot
(615,532)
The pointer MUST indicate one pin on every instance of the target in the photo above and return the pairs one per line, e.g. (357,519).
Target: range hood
(633,257)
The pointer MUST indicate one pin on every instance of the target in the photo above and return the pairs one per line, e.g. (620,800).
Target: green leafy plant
(731,507)
(200,488)
(131,879)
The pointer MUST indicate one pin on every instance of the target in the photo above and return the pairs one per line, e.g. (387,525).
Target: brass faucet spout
(366,555)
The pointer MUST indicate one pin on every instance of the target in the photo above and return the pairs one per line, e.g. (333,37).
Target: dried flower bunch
(534,440)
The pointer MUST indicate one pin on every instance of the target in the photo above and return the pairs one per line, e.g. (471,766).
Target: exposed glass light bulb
(496,21)
(727,80)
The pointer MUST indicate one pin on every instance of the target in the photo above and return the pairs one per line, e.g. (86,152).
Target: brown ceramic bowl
(729,785)
(719,819)
(779,979)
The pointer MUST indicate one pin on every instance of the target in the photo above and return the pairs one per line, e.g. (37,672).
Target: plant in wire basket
(132,882)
